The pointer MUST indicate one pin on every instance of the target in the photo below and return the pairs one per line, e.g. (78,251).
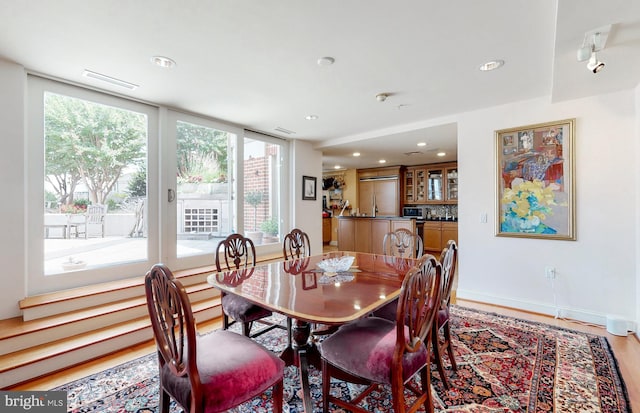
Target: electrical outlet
(550,273)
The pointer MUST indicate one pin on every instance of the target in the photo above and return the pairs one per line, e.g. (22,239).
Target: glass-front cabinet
(420,185)
(435,187)
(409,196)
(452,184)
(431,184)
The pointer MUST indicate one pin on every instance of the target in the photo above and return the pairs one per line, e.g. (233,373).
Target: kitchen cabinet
(436,234)
(451,184)
(379,186)
(435,185)
(346,234)
(432,236)
(367,234)
(414,185)
(409,188)
(362,235)
(431,184)
(449,231)
(326,230)
(379,228)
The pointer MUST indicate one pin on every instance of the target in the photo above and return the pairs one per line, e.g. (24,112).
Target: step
(27,364)
(60,302)
(16,335)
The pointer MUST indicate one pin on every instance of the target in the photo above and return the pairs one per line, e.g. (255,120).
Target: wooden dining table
(299,289)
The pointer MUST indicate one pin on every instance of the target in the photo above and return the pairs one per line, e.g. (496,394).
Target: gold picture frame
(535,188)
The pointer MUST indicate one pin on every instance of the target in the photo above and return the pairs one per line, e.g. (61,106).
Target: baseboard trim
(541,308)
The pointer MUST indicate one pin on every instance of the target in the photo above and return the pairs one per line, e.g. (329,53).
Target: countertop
(376,217)
(418,221)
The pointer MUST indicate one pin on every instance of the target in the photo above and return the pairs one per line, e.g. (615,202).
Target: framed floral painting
(535,181)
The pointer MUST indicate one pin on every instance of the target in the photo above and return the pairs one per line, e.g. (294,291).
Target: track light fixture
(594,64)
(593,42)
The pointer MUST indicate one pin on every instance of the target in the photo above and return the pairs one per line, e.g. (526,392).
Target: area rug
(504,365)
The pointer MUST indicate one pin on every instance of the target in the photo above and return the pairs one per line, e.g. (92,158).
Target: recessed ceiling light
(109,79)
(382,161)
(311,117)
(492,65)
(422,143)
(337,167)
(441,153)
(326,61)
(356,154)
(164,62)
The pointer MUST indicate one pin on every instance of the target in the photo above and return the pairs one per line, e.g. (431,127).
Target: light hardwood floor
(626,349)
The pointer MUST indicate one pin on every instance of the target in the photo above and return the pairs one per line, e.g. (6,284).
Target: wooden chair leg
(437,354)
(425,378)
(289,332)
(278,396)
(246,329)
(225,321)
(449,346)
(164,402)
(326,386)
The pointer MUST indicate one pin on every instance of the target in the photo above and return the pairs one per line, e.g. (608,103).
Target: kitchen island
(365,234)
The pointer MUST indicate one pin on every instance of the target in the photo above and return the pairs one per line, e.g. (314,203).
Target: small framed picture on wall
(309,184)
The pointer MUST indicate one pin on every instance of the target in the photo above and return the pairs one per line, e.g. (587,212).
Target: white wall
(12,171)
(637,191)
(306,215)
(596,275)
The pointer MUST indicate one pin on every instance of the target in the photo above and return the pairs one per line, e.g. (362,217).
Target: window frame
(37,281)
(161,181)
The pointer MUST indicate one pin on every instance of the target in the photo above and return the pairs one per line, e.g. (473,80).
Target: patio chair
(204,373)
(93,217)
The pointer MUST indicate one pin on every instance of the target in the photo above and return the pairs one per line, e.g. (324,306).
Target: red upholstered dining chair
(443,344)
(234,253)
(206,373)
(296,244)
(400,243)
(375,351)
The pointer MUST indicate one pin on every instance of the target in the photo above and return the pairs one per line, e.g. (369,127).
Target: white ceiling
(253,63)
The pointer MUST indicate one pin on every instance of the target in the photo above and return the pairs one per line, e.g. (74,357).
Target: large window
(89,183)
(204,187)
(224,184)
(263,190)
(110,194)
(95,185)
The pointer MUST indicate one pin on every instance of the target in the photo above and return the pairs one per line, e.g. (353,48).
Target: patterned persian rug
(504,365)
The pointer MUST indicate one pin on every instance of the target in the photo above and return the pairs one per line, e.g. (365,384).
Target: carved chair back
(235,252)
(448,260)
(403,243)
(296,244)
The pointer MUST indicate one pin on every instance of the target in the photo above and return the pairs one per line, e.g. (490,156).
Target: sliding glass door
(220,180)
(116,185)
(89,188)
